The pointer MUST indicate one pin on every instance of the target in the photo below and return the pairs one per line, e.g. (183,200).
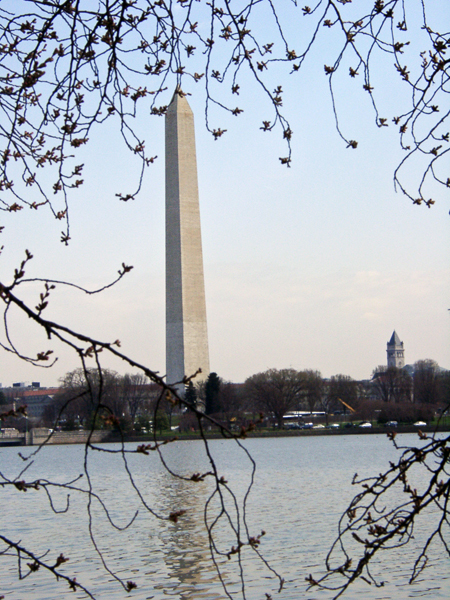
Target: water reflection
(302,486)
(185,544)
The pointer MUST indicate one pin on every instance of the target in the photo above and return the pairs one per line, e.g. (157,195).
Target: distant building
(37,401)
(33,396)
(395,352)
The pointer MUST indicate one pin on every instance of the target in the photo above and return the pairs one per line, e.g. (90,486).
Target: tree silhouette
(276,392)
(191,395)
(212,391)
(392,384)
(342,387)
(313,389)
(425,381)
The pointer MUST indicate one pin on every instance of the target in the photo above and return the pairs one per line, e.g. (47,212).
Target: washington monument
(186,331)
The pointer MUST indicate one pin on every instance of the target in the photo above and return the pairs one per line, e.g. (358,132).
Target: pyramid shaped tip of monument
(179,101)
(179,95)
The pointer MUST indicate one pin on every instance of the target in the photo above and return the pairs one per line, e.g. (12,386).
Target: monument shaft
(186,329)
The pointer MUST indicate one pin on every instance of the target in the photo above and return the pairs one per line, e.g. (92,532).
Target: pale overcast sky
(308,267)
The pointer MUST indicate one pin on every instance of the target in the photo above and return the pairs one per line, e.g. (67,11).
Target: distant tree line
(391,392)
(427,384)
(129,400)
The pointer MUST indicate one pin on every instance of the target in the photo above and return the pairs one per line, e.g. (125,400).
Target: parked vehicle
(291,426)
(366,425)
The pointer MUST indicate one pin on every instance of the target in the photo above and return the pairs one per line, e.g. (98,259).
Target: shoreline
(102,436)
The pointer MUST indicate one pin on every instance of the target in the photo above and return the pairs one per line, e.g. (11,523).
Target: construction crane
(347,406)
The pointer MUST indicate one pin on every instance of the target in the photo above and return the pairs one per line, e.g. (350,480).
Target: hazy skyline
(308,267)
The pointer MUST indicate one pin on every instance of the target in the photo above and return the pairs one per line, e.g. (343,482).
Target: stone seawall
(36,437)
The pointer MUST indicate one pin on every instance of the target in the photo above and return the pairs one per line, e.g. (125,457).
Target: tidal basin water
(302,485)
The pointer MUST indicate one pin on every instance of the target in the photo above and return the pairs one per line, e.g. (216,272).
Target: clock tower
(395,352)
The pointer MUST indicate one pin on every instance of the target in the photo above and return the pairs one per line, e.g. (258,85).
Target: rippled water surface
(302,485)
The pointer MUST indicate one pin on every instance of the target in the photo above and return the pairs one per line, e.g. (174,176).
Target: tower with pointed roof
(186,329)
(395,352)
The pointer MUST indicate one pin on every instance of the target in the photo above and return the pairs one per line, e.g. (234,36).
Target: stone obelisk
(186,330)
